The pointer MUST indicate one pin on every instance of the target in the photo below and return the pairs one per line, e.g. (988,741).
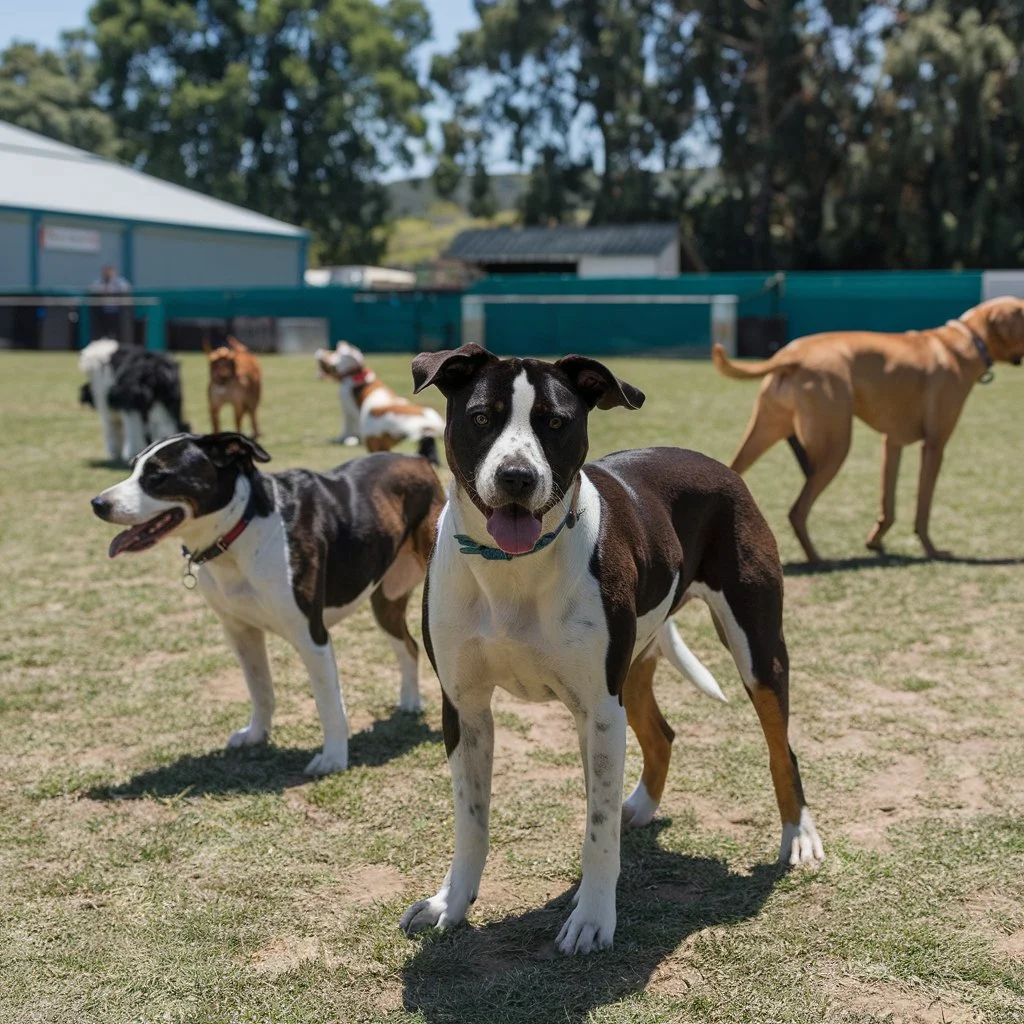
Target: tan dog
(909,387)
(235,380)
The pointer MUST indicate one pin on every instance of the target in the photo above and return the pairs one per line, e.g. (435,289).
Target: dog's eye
(555,423)
(481,419)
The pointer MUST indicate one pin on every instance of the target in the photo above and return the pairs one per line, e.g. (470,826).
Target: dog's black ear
(227,447)
(597,385)
(85,396)
(449,369)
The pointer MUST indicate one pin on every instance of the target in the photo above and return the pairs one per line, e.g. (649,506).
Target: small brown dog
(909,387)
(235,380)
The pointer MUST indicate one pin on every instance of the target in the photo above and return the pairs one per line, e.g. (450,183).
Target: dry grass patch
(146,874)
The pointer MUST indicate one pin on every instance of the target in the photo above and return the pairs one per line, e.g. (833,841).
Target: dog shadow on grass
(887,562)
(512,970)
(267,768)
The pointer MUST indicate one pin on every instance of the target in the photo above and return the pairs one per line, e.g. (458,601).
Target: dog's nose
(101,506)
(517,481)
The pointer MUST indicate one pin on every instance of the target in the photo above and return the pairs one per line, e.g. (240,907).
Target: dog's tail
(428,449)
(784,359)
(685,661)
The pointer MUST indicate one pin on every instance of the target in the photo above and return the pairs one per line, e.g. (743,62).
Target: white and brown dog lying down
(289,553)
(137,394)
(557,580)
(371,411)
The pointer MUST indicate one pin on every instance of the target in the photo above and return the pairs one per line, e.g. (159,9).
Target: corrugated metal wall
(15,244)
(75,270)
(169,258)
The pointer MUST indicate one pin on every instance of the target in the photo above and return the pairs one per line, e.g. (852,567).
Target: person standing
(112,321)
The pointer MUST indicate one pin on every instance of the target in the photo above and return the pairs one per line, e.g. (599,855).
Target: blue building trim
(300,235)
(35,221)
(303,259)
(128,251)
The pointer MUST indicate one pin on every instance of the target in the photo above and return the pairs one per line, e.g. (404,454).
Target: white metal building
(64,213)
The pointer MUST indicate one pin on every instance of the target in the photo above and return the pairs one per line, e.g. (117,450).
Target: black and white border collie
(289,553)
(137,394)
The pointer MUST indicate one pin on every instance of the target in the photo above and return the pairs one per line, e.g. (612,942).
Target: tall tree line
(782,134)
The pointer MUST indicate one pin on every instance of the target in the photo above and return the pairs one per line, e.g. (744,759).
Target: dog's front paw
(639,808)
(801,844)
(590,926)
(410,703)
(440,911)
(250,736)
(330,759)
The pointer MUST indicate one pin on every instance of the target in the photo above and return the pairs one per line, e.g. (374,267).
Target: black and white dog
(289,553)
(557,581)
(137,394)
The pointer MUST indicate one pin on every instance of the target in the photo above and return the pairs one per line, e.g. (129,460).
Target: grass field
(147,875)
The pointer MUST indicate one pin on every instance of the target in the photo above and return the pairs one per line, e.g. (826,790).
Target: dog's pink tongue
(514,529)
(121,541)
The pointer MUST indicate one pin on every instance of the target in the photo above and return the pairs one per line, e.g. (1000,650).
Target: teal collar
(468,546)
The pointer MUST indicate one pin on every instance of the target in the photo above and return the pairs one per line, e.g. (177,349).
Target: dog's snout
(517,480)
(101,506)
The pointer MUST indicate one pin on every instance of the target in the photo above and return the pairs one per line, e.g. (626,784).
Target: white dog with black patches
(289,553)
(135,392)
(557,580)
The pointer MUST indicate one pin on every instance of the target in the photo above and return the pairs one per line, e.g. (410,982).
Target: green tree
(481,195)
(783,83)
(549,79)
(293,108)
(53,92)
(938,178)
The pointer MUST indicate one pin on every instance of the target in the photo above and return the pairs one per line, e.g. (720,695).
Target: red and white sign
(64,239)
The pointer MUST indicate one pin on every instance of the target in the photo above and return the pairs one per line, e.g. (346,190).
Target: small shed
(621,250)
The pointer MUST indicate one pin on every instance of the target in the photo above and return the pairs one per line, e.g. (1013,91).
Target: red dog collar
(360,377)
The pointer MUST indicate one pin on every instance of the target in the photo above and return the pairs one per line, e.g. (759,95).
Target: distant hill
(414,197)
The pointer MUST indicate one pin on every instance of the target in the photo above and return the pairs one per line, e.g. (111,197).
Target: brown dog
(909,387)
(235,380)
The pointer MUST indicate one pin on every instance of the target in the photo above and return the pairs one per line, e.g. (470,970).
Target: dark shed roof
(559,244)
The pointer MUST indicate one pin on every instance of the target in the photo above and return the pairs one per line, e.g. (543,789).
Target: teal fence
(654,316)
(557,314)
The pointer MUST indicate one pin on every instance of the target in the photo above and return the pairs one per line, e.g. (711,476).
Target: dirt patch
(896,1004)
(285,953)
(226,687)
(1011,946)
(367,885)
(887,797)
(545,749)
(674,977)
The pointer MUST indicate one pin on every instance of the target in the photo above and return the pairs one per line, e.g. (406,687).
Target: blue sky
(42,21)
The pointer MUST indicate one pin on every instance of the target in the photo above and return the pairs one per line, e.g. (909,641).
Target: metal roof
(559,244)
(41,175)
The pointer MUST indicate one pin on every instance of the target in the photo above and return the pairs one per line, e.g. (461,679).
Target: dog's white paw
(801,844)
(350,441)
(250,736)
(639,808)
(327,761)
(440,911)
(590,926)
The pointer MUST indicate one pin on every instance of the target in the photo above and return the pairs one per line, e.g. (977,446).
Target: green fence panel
(598,326)
(891,301)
